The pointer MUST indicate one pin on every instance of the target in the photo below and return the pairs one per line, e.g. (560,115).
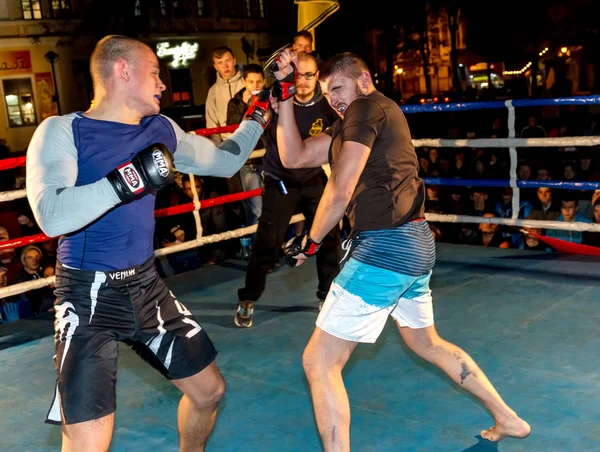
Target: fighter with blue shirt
(92,179)
(374,181)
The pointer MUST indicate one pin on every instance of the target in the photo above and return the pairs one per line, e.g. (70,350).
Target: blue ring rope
(465,106)
(506,183)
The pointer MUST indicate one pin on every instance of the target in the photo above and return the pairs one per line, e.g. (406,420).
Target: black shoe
(243,316)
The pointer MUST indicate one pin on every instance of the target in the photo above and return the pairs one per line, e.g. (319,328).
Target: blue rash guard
(67,163)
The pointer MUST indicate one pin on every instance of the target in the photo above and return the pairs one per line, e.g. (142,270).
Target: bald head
(111,49)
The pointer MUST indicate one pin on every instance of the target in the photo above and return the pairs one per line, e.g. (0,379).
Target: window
(137,8)
(181,87)
(60,8)
(31,9)
(20,106)
(254,9)
(163,7)
(202,10)
(232,8)
(261,7)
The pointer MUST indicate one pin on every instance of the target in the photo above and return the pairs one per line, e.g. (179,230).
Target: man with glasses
(287,191)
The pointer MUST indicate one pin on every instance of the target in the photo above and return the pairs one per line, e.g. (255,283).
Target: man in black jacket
(289,190)
(249,176)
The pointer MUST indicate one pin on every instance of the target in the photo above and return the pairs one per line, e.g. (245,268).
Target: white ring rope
(511,143)
(561,225)
(507,142)
(12,195)
(15,289)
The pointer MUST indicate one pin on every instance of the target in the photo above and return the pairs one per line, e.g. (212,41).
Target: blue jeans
(251,180)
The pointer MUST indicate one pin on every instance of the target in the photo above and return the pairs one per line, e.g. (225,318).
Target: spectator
(542,173)
(569,214)
(480,169)
(532,129)
(303,42)
(432,201)
(249,177)
(498,129)
(480,205)
(503,209)
(461,167)
(593,238)
(229,81)
(30,258)
(49,248)
(532,243)
(15,307)
(433,156)
(544,209)
(8,259)
(490,234)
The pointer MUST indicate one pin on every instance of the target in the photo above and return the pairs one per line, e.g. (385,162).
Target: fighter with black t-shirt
(288,190)
(374,180)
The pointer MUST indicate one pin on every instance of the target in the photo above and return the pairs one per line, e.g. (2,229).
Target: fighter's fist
(300,248)
(287,62)
(151,169)
(260,109)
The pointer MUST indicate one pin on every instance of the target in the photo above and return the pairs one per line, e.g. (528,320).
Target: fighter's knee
(317,366)
(309,363)
(209,396)
(219,391)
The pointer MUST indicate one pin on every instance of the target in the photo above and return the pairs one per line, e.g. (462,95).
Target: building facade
(45,46)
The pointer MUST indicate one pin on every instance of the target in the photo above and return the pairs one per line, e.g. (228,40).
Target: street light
(52,56)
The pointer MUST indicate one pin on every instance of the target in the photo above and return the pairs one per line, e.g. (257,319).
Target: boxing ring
(528,318)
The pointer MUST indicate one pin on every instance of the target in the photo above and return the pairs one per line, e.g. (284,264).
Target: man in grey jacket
(229,82)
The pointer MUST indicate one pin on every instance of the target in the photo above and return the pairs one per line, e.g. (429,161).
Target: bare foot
(515,427)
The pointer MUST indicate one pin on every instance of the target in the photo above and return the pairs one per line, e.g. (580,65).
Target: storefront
(27,87)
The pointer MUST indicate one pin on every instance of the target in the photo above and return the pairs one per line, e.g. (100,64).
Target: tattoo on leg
(333,434)
(465,372)
(97,425)
(457,354)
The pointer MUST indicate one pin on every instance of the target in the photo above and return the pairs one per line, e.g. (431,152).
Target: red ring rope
(15,162)
(169,211)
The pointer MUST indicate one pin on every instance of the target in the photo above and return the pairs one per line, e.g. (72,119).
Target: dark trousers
(276,213)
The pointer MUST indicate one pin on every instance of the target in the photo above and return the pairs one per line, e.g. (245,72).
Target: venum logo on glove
(160,163)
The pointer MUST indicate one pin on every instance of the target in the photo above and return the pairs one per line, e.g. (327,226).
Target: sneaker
(243,316)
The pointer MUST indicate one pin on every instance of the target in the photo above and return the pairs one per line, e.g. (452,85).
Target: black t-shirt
(389,192)
(312,119)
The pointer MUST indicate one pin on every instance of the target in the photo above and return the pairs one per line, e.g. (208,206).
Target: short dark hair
(222,50)
(109,50)
(252,68)
(304,34)
(348,63)
(570,197)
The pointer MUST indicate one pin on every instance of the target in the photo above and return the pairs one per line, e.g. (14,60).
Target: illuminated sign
(182,53)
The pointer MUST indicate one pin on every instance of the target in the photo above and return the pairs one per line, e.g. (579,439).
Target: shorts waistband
(112,277)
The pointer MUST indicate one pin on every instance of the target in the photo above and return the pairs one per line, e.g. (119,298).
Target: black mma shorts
(94,310)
